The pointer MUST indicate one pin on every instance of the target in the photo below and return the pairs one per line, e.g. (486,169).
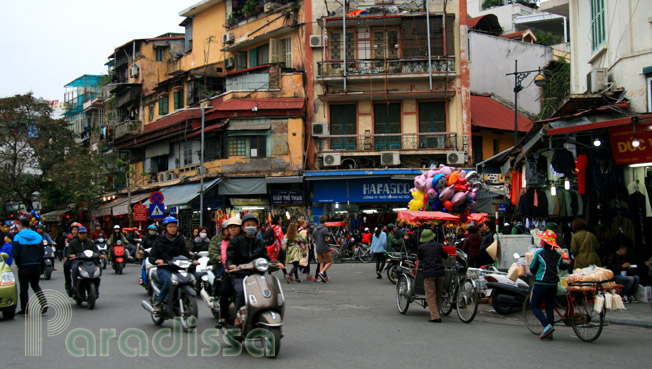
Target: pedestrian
(517,225)
(309,247)
(394,239)
(28,252)
(60,241)
(430,253)
(471,247)
(545,266)
(584,245)
(296,247)
(378,249)
(487,239)
(7,248)
(321,237)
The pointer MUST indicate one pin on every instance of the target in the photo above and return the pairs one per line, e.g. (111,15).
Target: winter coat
(77,246)
(28,248)
(166,248)
(320,233)
(394,242)
(243,249)
(198,244)
(379,243)
(472,246)
(215,250)
(430,255)
(586,254)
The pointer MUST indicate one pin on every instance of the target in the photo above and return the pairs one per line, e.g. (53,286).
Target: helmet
(153,226)
(75,224)
(366,229)
(116,227)
(82,229)
(170,219)
(40,226)
(235,221)
(250,216)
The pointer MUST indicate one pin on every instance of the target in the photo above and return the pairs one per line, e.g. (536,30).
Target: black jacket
(242,250)
(76,246)
(165,248)
(430,254)
(198,244)
(148,241)
(28,248)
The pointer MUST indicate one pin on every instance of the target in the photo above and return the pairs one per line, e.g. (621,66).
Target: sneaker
(157,307)
(547,331)
(626,300)
(321,276)
(633,299)
(298,280)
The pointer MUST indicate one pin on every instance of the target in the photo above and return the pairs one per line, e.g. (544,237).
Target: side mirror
(4,255)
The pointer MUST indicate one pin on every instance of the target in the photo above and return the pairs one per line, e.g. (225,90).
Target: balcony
(126,128)
(392,141)
(365,69)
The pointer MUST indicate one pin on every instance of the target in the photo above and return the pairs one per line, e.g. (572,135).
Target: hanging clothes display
(562,161)
(620,224)
(517,180)
(537,169)
(580,165)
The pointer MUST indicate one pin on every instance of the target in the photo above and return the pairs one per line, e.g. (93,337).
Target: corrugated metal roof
(272,103)
(489,113)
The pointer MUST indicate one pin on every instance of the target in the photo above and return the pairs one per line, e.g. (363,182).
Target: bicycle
(361,252)
(575,310)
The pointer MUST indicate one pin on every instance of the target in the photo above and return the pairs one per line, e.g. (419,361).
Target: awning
(124,207)
(212,128)
(489,113)
(289,179)
(54,216)
(157,149)
(423,216)
(339,174)
(249,125)
(589,126)
(243,186)
(257,104)
(184,194)
(105,209)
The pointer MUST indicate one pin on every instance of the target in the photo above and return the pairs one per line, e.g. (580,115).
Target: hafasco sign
(362,190)
(385,191)
(624,152)
(287,197)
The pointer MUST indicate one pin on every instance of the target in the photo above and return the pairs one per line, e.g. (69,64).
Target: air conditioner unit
(597,79)
(171,176)
(332,160)
(316,41)
(161,177)
(390,158)
(455,157)
(133,71)
(228,38)
(229,63)
(319,129)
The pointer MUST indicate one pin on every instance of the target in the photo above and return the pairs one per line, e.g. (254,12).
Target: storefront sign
(248,202)
(287,197)
(363,190)
(140,213)
(623,150)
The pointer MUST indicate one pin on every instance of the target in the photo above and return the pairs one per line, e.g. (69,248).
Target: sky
(46,44)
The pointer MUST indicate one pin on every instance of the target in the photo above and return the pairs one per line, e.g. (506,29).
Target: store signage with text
(287,197)
(624,152)
(363,190)
(140,213)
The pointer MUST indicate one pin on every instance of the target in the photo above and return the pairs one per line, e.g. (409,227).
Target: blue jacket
(28,248)
(7,249)
(379,243)
(545,266)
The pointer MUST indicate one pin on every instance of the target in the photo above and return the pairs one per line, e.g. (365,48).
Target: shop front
(244,195)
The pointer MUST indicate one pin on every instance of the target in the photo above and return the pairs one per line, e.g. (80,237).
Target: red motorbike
(119,256)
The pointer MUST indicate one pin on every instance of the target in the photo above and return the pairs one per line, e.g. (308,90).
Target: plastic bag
(644,293)
(617,302)
(598,303)
(608,301)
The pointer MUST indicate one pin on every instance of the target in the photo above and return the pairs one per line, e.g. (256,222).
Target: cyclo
(459,290)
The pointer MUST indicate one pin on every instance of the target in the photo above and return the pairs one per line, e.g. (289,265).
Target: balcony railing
(365,67)
(393,141)
(128,127)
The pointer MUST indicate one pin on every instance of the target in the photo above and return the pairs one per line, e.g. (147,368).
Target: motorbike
(395,261)
(48,260)
(181,300)
(119,256)
(100,243)
(506,295)
(208,282)
(144,279)
(88,278)
(264,307)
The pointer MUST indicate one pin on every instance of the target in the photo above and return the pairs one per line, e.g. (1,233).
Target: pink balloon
(447,193)
(458,199)
(420,182)
(447,171)
(462,173)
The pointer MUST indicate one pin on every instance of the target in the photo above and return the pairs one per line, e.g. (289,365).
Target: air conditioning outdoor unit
(229,63)
(171,176)
(319,129)
(597,79)
(332,160)
(228,38)
(316,41)
(161,177)
(455,157)
(390,158)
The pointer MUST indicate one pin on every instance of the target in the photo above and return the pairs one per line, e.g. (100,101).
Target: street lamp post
(201,170)
(539,80)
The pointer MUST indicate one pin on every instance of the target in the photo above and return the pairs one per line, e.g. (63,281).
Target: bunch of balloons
(445,189)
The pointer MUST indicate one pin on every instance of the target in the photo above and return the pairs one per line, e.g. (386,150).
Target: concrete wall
(505,13)
(491,58)
(627,50)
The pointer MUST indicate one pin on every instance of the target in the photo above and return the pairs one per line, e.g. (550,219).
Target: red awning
(173,119)
(212,128)
(424,216)
(590,126)
(257,104)
(477,217)
(489,113)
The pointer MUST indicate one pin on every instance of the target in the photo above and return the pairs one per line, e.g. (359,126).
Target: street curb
(631,323)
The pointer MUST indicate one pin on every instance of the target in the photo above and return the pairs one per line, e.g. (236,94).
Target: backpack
(268,237)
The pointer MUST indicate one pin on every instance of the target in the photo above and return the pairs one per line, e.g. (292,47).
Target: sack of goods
(577,280)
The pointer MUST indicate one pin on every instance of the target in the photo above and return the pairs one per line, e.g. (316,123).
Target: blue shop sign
(362,190)
(287,197)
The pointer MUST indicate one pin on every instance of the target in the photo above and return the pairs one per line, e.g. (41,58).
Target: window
(281,51)
(237,146)
(286,43)
(496,147)
(178,99)
(414,37)
(343,122)
(476,142)
(335,46)
(387,119)
(249,146)
(188,39)
(162,163)
(432,118)
(150,113)
(158,53)
(386,44)
(598,34)
(241,60)
(258,146)
(163,105)
(259,56)
(214,148)
(187,153)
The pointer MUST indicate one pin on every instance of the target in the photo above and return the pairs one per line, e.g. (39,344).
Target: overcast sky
(45,44)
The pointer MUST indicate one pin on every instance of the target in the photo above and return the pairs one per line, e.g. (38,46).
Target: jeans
(226,291)
(143,272)
(236,283)
(542,293)
(630,282)
(29,275)
(294,272)
(380,261)
(66,272)
(164,276)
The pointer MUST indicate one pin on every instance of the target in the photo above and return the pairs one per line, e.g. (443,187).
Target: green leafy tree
(556,89)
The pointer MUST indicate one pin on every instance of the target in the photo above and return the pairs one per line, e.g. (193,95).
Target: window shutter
(288,52)
(253,58)
(275,51)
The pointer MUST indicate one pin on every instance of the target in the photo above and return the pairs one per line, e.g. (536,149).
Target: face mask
(250,231)
(152,232)
(203,235)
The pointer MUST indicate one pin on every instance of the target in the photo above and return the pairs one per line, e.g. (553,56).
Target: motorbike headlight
(262,265)
(8,279)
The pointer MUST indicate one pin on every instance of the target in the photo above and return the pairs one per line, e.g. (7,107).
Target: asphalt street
(349,322)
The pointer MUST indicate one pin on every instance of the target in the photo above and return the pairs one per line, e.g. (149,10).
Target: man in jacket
(472,247)
(215,247)
(97,233)
(28,253)
(40,229)
(430,254)
(321,237)
(618,263)
(243,249)
(167,246)
(76,246)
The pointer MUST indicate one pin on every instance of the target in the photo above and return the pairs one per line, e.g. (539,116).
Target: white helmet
(116,227)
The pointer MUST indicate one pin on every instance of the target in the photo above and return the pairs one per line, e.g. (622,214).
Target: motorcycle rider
(117,235)
(201,242)
(148,243)
(77,246)
(40,229)
(243,249)
(97,233)
(215,246)
(74,227)
(168,245)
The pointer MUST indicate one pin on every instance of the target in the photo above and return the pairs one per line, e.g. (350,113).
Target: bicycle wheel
(587,323)
(447,300)
(335,254)
(466,301)
(364,255)
(531,321)
(403,294)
